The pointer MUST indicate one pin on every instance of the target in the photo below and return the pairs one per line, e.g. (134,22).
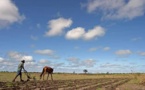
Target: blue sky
(73,35)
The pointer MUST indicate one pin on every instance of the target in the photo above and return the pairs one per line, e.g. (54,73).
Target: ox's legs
(44,75)
(47,76)
(51,77)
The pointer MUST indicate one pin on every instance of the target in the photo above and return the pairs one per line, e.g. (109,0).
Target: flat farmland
(74,82)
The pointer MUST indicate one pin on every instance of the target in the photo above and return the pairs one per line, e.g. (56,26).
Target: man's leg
(21,77)
(18,73)
(15,77)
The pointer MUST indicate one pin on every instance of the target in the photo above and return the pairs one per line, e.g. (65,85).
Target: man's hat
(23,61)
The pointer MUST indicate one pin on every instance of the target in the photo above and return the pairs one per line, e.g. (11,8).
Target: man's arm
(23,68)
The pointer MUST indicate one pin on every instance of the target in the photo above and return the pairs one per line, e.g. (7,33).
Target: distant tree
(107,72)
(85,71)
(73,72)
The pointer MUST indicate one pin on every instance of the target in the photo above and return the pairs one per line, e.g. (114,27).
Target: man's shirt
(20,66)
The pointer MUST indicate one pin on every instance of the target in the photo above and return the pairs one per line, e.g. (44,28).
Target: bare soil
(79,84)
(130,86)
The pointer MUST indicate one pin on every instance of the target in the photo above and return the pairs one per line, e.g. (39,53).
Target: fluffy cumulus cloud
(45,52)
(12,60)
(30,63)
(9,13)
(75,33)
(117,9)
(57,26)
(4,62)
(80,33)
(43,61)
(27,58)
(94,33)
(19,56)
(123,52)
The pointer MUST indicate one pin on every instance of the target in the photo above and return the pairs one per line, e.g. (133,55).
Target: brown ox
(48,70)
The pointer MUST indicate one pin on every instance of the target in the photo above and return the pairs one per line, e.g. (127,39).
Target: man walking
(19,70)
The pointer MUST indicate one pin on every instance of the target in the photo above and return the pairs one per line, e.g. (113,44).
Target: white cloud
(73,60)
(104,5)
(142,53)
(45,52)
(27,58)
(15,55)
(9,13)
(108,65)
(20,56)
(30,64)
(75,33)
(43,61)
(106,48)
(57,65)
(80,33)
(1,59)
(57,26)
(8,63)
(89,63)
(94,33)
(93,49)
(123,52)
(117,9)
(76,62)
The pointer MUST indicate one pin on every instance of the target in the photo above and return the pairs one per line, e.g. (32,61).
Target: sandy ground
(129,86)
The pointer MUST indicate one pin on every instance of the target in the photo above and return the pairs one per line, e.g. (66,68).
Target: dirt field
(75,82)
(82,84)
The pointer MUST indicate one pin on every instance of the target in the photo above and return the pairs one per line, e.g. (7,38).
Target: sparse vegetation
(71,81)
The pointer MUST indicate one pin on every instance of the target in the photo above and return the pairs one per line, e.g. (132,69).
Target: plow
(29,76)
